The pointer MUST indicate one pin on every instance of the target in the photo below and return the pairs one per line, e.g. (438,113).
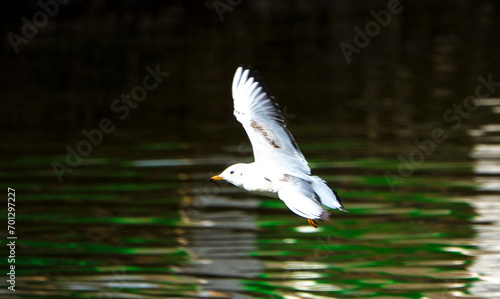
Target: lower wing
(300,198)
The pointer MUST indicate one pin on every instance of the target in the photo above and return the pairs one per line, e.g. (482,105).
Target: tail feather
(328,196)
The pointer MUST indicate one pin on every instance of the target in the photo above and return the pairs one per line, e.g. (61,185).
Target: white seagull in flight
(279,168)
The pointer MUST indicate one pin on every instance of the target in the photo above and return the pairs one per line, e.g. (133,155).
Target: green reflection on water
(122,230)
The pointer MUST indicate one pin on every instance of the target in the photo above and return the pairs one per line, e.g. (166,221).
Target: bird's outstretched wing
(261,117)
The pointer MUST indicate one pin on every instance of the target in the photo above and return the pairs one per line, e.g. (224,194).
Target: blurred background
(127,212)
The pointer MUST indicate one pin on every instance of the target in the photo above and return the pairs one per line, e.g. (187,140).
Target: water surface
(139,220)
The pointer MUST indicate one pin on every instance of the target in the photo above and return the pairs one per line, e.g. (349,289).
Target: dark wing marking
(337,197)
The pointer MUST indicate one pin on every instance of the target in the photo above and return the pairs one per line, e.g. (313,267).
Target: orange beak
(215,178)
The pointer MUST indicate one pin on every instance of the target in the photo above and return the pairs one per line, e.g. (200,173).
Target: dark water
(136,218)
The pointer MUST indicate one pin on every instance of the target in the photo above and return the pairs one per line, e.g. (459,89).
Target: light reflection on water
(486,153)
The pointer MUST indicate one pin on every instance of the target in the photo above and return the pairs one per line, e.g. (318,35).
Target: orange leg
(312,223)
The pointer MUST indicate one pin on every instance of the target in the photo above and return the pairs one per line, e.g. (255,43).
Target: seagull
(280,169)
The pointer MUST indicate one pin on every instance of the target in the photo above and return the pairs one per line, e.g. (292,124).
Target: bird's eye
(231,172)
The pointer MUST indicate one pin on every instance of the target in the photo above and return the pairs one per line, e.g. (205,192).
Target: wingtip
(245,67)
(247,74)
(343,209)
(237,79)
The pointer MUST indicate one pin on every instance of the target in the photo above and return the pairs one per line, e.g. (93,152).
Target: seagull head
(233,174)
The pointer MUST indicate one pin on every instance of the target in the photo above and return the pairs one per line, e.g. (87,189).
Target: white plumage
(279,168)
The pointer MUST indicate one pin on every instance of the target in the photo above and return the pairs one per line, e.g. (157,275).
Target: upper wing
(261,117)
